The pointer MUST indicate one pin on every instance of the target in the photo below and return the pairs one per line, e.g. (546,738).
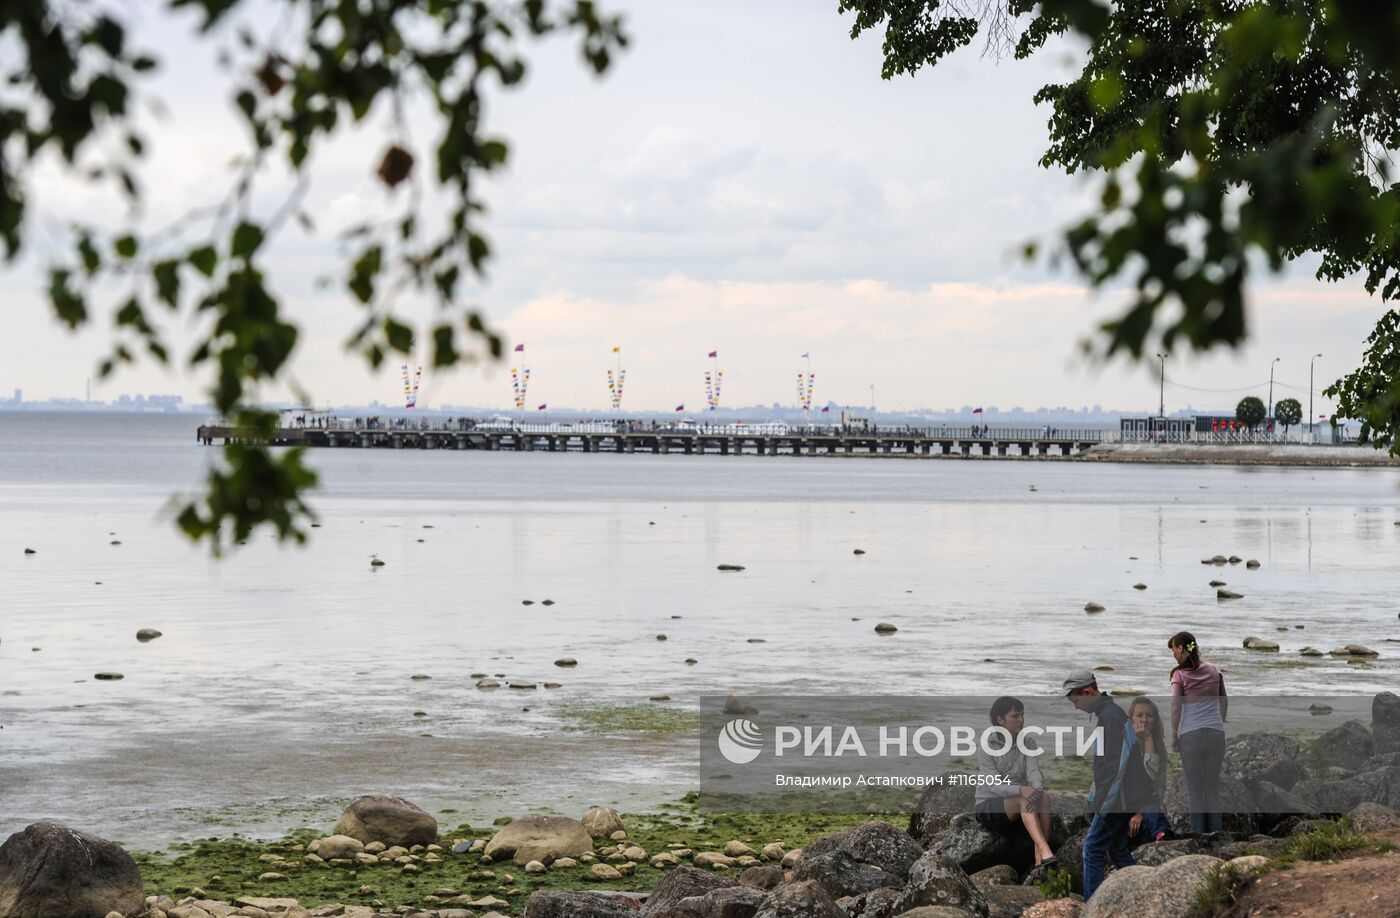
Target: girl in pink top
(1199,707)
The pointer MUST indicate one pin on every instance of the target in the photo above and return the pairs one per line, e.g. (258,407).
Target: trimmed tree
(1288,412)
(1250,411)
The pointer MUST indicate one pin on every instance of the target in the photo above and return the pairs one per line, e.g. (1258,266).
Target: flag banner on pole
(617,350)
(976,410)
(826,409)
(542,407)
(714,353)
(519,348)
(519,383)
(680,407)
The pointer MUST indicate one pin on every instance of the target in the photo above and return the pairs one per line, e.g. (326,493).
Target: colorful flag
(976,410)
(680,407)
(542,407)
(806,355)
(826,410)
(714,353)
(520,347)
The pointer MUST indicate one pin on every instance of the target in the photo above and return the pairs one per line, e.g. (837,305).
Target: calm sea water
(282,684)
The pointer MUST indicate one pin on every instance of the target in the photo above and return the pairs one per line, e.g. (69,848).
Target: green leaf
(398,335)
(92,260)
(126,246)
(204,259)
(246,239)
(167,277)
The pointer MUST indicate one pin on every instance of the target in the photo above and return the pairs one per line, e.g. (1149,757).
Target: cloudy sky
(741,181)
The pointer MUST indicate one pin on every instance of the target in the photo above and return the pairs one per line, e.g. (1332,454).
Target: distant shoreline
(1286,456)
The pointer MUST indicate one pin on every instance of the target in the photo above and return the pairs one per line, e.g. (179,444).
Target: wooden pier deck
(731,440)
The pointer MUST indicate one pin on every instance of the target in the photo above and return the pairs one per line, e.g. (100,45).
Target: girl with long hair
(1150,825)
(1199,708)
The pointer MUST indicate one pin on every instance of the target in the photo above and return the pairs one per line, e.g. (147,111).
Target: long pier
(727,440)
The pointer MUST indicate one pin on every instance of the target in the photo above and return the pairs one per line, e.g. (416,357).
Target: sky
(741,181)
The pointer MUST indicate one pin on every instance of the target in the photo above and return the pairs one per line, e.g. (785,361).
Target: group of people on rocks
(1130,765)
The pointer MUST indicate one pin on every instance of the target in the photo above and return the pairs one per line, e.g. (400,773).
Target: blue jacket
(1121,783)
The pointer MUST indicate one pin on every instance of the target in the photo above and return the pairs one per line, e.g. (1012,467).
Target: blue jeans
(1202,751)
(1153,824)
(1107,837)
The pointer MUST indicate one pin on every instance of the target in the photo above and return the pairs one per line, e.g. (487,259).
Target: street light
(1162,391)
(1270,412)
(1310,396)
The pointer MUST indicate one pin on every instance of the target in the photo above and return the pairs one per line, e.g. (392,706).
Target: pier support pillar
(966,448)
(1001,449)
(1064,449)
(1042,448)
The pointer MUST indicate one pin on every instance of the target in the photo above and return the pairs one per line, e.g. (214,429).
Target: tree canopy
(1251,411)
(1228,134)
(1288,411)
(72,84)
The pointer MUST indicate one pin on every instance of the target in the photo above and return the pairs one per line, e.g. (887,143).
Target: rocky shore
(1288,803)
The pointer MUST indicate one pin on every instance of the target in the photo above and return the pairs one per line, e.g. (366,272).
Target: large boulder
(1385,722)
(1155,854)
(1263,757)
(1069,815)
(683,883)
(937,806)
(1237,806)
(1055,908)
(602,822)
(799,900)
(730,902)
(841,874)
(972,847)
(577,905)
(391,820)
(936,880)
(51,871)
(1373,817)
(1381,786)
(338,846)
(878,844)
(539,838)
(1011,901)
(1273,801)
(1347,746)
(878,903)
(1168,891)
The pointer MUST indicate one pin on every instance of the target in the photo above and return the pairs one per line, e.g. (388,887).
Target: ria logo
(740,741)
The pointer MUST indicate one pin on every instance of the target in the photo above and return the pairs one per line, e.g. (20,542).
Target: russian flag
(976,410)
(542,407)
(714,353)
(680,407)
(519,347)
(826,410)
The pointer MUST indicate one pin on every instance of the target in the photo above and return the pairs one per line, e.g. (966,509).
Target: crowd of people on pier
(1130,765)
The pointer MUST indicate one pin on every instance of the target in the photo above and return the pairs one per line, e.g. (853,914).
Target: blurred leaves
(70,78)
(1229,136)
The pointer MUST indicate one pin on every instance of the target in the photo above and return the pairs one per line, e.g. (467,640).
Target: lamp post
(1270,413)
(1162,388)
(1310,396)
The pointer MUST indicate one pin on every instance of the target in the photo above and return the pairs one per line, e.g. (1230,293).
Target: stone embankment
(1241,454)
(1286,802)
